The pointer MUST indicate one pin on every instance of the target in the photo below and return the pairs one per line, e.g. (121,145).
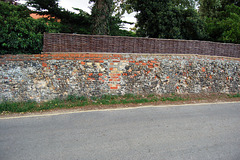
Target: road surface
(191,132)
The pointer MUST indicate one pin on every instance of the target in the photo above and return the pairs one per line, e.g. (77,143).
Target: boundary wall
(43,77)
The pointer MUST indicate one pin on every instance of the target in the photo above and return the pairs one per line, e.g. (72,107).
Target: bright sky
(84,5)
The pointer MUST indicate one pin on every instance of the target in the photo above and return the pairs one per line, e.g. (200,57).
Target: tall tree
(101,15)
(165,19)
(209,8)
(222,19)
(212,8)
(45,6)
(70,22)
(225,27)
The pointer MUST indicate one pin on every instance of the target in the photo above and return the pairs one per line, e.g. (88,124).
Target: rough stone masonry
(44,77)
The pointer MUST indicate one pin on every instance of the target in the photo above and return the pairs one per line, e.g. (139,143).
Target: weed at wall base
(81,101)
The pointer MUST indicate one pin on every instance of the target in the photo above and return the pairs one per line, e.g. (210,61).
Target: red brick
(44,64)
(70,58)
(37,55)
(74,55)
(79,58)
(153,62)
(92,55)
(59,58)
(64,55)
(116,55)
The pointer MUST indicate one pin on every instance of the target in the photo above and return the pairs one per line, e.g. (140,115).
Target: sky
(84,5)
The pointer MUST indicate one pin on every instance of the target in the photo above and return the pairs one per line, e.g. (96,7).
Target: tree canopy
(222,19)
(226,26)
(19,33)
(165,19)
(214,20)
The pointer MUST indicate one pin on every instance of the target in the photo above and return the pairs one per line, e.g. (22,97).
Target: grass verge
(76,101)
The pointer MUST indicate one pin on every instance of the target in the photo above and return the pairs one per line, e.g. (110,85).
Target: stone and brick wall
(47,76)
(54,42)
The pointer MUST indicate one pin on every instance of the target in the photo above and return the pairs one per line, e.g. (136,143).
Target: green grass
(175,98)
(17,106)
(234,95)
(81,101)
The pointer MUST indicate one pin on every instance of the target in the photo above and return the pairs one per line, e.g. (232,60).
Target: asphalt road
(195,132)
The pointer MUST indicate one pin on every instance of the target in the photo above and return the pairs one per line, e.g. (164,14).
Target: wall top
(61,42)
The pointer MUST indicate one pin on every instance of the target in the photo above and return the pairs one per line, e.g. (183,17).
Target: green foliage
(234,95)
(49,6)
(75,23)
(70,22)
(19,33)
(17,106)
(115,28)
(225,28)
(209,8)
(212,8)
(129,95)
(78,101)
(165,19)
(75,98)
(174,98)
(184,4)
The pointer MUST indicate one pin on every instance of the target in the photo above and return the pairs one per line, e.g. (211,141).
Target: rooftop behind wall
(59,42)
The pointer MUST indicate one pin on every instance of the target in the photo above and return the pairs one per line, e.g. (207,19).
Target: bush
(19,33)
